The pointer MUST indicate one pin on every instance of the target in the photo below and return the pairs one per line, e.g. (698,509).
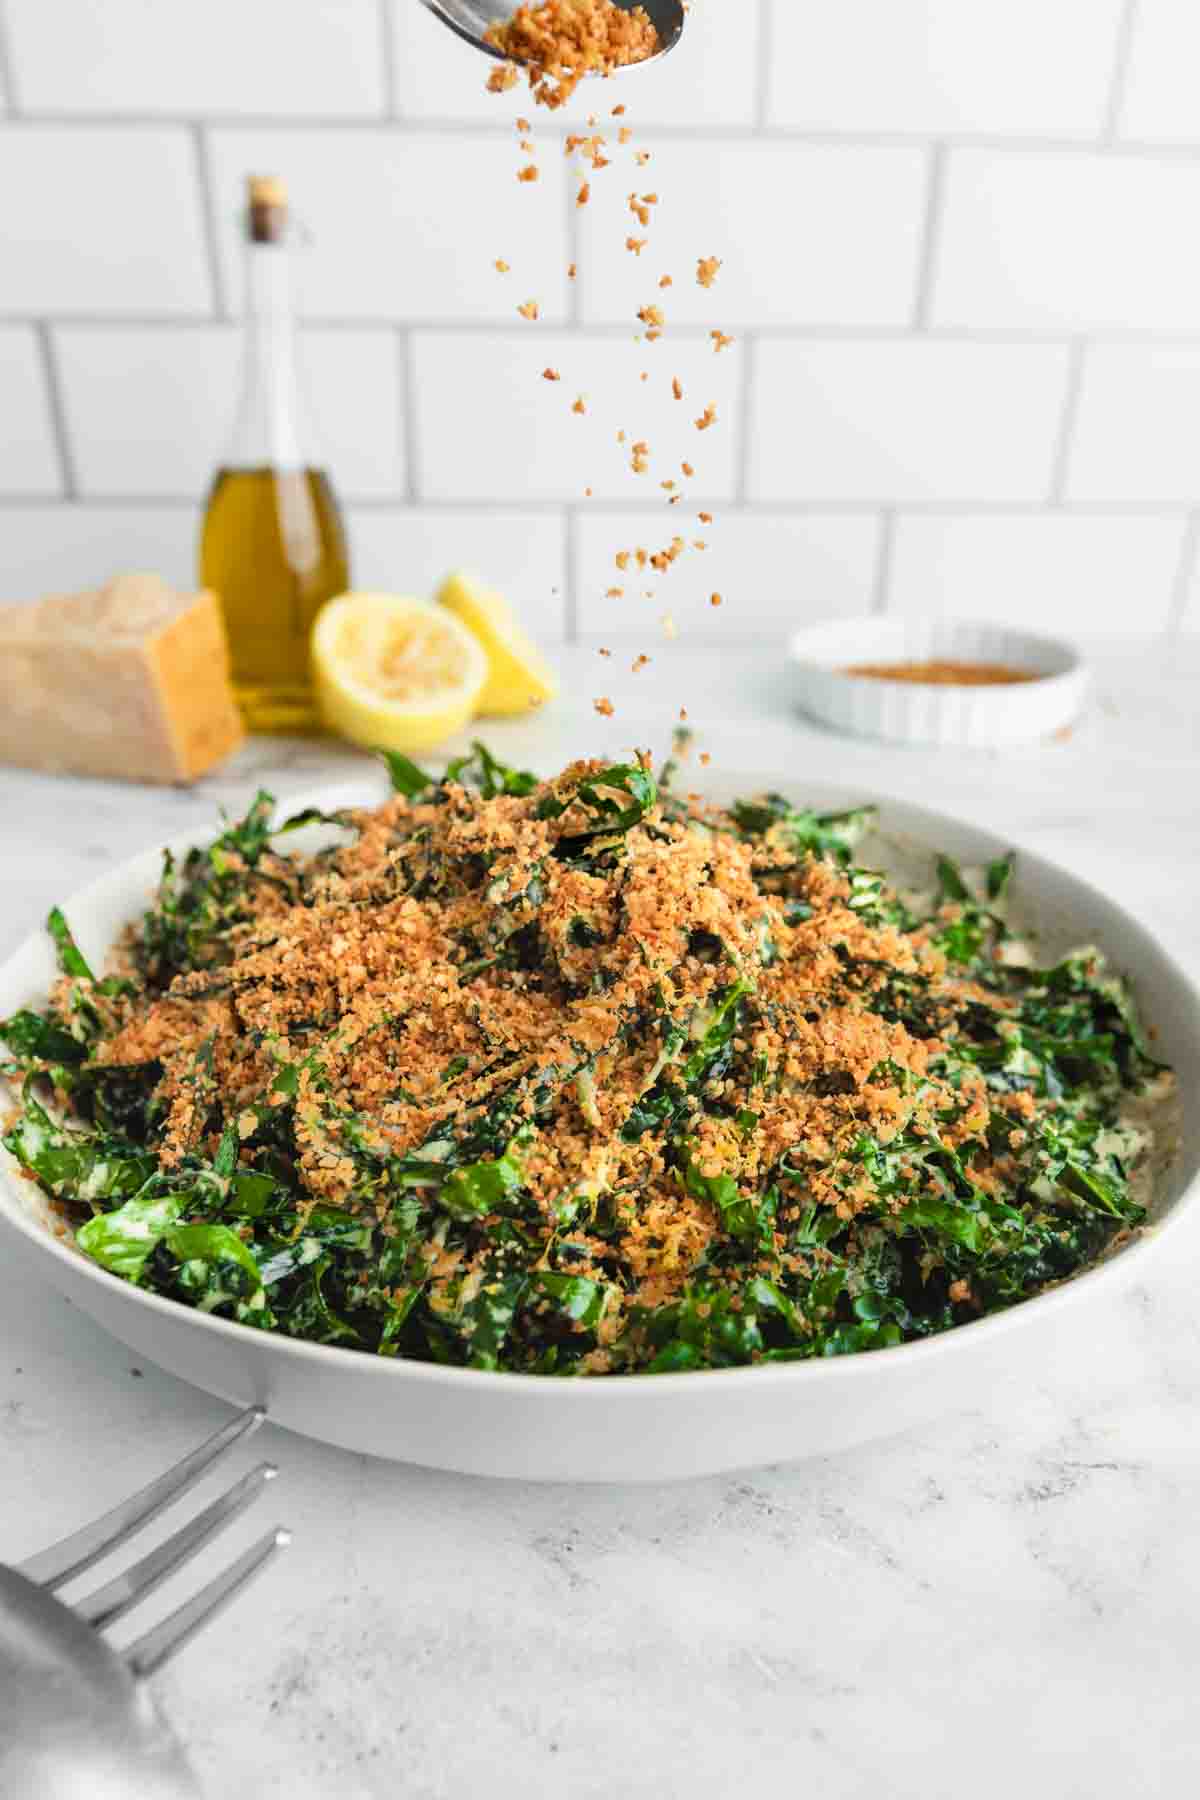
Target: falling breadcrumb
(687,469)
(584,194)
(604,706)
(579,406)
(614,593)
(708,417)
(677,387)
(529,310)
(651,315)
(503,78)
(501,266)
(639,663)
(669,627)
(705,518)
(637,245)
(714,600)
(528,173)
(551,375)
(706,270)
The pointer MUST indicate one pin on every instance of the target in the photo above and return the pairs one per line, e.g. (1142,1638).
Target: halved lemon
(519,676)
(395,673)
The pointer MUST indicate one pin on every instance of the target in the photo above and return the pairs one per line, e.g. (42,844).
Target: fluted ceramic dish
(907,712)
(645,1428)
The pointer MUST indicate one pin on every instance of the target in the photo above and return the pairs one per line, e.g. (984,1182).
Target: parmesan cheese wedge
(130,680)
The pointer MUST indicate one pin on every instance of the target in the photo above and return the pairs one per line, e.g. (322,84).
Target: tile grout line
(762,72)
(615,507)
(613,329)
(931,238)
(483,131)
(208,215)
(1189,560)
(1065,444)
(1122,56)
(8,81)
(408,416)
(387,51)
(881,586)
(58,412)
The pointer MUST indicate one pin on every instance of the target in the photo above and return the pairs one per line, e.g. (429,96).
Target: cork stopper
(267,209)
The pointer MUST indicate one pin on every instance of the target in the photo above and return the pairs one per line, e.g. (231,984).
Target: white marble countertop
(1005,1601)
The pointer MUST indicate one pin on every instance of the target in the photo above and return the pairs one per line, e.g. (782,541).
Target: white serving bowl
(905,712)
(644,1428)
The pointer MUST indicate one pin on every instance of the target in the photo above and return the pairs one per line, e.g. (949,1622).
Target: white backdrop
(961,245)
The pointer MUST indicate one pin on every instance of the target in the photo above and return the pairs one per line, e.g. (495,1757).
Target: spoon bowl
(469,19)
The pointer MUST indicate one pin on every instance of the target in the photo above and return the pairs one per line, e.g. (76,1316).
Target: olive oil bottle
(272,546)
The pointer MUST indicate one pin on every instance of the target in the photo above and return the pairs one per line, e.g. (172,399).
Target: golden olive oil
(273,549)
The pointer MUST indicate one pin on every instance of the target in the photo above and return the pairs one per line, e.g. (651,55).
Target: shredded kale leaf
(990,1152)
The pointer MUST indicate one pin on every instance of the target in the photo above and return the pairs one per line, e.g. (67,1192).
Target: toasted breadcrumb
(705,518)
(561,41)
(529,309)
(501,266)
(669,627)
(708,417)
(677,387)
(528,173)
(651,315)
(579,406)
(687,468)
(584,194)
(551,375)
(604,706)
(664,281)
(639,209)
(572,271)
(714,600)
(637,245)
(503,78)
(706,270)
(721,341)
(639,663)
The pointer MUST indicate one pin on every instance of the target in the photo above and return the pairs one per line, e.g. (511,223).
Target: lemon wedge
(395,673)
(518,675)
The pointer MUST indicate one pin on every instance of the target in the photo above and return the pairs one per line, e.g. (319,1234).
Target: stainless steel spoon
(471,18)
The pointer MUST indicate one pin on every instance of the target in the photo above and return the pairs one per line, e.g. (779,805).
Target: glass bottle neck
(268,429)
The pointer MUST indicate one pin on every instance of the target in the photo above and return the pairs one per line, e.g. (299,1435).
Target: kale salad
(581,1076)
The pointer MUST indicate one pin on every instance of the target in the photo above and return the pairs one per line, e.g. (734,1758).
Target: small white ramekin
(913,713)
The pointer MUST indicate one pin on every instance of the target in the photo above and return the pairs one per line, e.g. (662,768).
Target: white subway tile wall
(959,264)
(147,406)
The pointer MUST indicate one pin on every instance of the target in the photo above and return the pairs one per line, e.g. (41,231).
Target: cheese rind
(128,681)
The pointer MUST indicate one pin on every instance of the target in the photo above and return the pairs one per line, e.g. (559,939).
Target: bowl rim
(812,648)
(1112,1270)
